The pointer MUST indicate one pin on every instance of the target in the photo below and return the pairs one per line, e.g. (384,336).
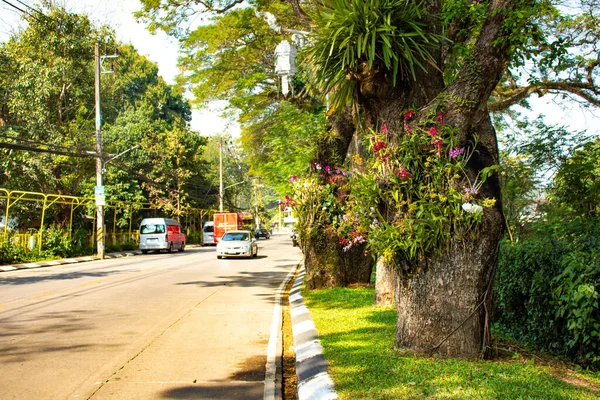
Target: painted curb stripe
(314,383)
(319,387)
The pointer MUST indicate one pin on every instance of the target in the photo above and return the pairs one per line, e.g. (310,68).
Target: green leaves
(577,182)
(354,39)
(423,193)
(47,98)
(283,142)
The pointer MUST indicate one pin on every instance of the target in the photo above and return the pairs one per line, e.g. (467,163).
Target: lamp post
(285,64)
(285,53)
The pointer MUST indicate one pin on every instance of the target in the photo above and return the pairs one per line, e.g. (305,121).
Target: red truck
(225,222)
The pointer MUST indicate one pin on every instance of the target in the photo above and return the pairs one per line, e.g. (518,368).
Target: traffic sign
(99,194)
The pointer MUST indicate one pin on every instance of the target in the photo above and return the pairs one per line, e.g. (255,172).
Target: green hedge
(547,289)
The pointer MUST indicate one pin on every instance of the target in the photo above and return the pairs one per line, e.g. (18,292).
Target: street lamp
(285,53)
(285,63)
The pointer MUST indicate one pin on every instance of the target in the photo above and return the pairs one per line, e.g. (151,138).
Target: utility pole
(221,174)
(257,218)
(99,190)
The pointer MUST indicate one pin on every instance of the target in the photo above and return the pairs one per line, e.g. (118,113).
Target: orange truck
(225,222)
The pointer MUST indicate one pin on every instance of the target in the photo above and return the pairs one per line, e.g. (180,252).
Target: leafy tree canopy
(230,54)
(47,123)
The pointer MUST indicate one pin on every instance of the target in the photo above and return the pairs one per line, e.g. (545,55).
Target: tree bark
(443,308)
(327,265)
(385,284)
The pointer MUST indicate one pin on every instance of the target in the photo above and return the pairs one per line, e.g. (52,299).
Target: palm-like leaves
(354,37)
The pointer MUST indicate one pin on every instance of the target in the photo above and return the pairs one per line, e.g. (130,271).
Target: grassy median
(358,341)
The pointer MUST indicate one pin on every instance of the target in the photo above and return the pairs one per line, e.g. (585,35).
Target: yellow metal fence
(39,204)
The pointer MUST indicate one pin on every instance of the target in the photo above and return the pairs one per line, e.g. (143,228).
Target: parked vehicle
(237,244)
(161,234)
(225,222)
(208,233)
(262,233)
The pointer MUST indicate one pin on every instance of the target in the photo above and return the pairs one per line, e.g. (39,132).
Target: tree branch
(586,91)
(228,7)
(478,78)
(298,12)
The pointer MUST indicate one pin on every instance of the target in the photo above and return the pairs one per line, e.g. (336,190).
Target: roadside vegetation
(387,150)
(57,243)
(47,140)
(358,342)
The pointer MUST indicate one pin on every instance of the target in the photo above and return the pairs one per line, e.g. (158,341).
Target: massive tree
(443,65)
(392,65)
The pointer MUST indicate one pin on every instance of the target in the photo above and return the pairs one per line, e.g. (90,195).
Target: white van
(161,234)
(208,233)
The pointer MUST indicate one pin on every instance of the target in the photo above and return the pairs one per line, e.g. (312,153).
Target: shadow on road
(248,279)
(36,330)
(247,383)
(61,276)
(217,390)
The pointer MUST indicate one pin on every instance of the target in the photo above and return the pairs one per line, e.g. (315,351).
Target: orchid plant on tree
(419,188)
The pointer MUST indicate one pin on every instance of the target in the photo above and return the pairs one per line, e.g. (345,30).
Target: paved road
(157,326)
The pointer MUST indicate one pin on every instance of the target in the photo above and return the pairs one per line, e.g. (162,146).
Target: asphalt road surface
(157,326)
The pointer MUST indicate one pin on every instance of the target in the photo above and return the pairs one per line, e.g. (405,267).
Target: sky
(163,50)
(159,48)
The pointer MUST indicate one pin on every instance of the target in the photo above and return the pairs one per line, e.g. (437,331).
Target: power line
(31,8)
(20,9)
(14,146)
(13,6)
(41,144)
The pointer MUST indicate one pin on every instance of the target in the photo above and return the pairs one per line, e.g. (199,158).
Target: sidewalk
(39,264)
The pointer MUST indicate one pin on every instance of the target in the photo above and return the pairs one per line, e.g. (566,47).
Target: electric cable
(43,145)
(14,146)
(20,9)
(31,8)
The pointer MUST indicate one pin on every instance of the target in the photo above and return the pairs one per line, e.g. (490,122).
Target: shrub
(10,253)
(56,242)
(547,289)
(523,289)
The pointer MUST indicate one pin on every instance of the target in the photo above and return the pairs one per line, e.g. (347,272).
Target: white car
(237,244)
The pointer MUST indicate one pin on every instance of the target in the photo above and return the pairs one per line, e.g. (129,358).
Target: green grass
(358,342)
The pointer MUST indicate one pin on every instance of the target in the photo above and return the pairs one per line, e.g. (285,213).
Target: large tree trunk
(442,305)
(327,265)
(443,308)
(385,284)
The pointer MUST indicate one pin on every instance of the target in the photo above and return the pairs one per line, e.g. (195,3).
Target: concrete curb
(314,382)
